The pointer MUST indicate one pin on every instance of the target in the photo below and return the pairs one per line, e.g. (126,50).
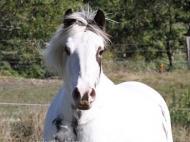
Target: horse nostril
(93,94)
(84,98)
(76,94)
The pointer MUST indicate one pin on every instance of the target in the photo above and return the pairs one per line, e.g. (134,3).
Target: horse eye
(67,51)
(101,52)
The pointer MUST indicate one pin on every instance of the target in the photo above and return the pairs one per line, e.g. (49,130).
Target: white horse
(89,107)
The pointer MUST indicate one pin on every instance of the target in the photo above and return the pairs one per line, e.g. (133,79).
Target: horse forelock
(85,18)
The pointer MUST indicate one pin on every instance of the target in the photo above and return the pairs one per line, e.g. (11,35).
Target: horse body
(127,115)
(89,107)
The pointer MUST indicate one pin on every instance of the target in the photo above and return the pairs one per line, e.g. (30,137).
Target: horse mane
(53,54)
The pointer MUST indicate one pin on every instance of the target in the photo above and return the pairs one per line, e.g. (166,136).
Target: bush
(179,109)
(21,58)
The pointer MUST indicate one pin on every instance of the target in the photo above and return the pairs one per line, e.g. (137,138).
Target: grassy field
(25,123)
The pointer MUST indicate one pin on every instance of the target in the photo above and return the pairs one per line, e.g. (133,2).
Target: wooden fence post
(188,51)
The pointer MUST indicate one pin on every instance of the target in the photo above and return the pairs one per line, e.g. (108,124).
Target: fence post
(188,51)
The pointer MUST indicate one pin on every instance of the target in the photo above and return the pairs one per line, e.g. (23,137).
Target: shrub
(179,109)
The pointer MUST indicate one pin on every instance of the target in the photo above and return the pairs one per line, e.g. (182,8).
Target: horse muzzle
(83,99)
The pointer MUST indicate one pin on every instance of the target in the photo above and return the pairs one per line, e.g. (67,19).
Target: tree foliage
(157,24)
(151,27)
(25,26)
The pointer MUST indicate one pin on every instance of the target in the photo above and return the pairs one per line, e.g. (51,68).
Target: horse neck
(104,80)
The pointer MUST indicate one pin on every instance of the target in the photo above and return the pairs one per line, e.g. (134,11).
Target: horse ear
(68,22)
(100,19)
(68,12)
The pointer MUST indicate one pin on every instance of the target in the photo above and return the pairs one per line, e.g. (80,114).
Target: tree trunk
(169,53)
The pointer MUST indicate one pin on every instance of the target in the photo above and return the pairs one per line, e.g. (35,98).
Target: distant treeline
(161,24)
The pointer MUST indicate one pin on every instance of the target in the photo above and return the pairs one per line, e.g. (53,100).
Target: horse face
(83,67)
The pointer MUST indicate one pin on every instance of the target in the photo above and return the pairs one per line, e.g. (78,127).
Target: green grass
(20,90)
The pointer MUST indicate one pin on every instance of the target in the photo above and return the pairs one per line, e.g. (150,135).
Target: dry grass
(180,134)
(25,124)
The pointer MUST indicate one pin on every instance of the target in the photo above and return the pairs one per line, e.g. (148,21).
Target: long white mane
(54,54)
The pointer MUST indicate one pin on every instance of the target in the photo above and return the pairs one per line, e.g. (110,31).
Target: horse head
(75,52)
(84,53)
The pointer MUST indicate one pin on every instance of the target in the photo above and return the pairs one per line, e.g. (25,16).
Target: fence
(47,105)
(21,57)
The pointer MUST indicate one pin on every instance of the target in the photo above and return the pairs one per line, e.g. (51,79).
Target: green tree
(151,23)
(25,25)
(183,16)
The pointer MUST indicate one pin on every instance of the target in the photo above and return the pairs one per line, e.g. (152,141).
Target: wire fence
(24,104)
(23,54)
(47,105)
